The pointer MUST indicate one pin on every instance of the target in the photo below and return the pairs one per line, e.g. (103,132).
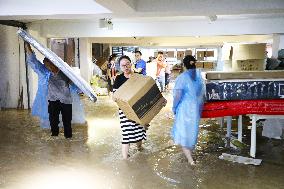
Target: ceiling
(137,9)
(144,11)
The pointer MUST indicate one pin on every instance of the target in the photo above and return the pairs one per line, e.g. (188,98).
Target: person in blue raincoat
(187,106)
(41,104)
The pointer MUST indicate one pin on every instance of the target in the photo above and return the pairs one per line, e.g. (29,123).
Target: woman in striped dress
(132,132)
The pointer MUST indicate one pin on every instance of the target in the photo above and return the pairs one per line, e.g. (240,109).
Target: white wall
(12,72)
(278,43)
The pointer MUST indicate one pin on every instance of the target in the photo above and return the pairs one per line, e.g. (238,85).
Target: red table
(257,109)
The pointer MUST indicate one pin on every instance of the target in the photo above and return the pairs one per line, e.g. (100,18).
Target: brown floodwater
(31,159)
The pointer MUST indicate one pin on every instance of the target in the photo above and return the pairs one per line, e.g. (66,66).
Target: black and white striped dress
(132,132)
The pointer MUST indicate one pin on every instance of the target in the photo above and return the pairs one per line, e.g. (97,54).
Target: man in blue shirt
(140,65)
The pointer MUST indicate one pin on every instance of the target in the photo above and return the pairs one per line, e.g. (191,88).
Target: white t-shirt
(151,69)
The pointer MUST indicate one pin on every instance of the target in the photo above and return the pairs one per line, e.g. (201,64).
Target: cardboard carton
(208,65)
(171,54)
(199,64)
(209,53)
(180,55)
(200,55)
(248,65)
(140,99)
(249,51)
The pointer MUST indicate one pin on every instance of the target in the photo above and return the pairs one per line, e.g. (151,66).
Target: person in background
(132,132)
(167,75)
(53,95)
(160,74)
(140,65)
(187,107)
(151,67)
(151,58)
(111,72)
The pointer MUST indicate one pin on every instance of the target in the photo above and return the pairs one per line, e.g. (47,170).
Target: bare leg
(187,153)
(125,149)
(139,145)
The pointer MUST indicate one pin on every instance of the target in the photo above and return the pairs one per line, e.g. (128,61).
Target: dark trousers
(54,109)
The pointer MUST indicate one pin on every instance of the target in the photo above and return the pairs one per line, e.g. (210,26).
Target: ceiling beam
(13,23)
(119,6)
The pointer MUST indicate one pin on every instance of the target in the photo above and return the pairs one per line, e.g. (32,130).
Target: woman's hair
(124,57)
(112,57)
(186,61)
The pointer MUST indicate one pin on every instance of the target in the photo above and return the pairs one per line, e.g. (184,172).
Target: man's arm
(34,63)
(137,70)
(162,64)
(139,66)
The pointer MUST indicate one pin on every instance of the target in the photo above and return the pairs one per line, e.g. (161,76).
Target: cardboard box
(140,99)
(249,51)
(200,55)
(171,54)
(209,53)
(208,65)
(199,64)
(180,55)
(248,65)
(271,74)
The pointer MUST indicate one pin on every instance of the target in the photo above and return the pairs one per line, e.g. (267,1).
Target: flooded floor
(31,159)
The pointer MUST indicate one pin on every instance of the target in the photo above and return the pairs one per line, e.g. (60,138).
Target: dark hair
(111,57)
(124,57)
(138,52)
(46,59)
(186,61)
(160,52)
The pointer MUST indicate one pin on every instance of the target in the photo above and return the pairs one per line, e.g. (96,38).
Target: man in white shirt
(160,74)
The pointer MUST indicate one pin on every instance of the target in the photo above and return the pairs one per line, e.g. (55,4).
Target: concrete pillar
(278,43)
(221,122)
(253,136)
(13,92)
(240,128)
(85,59)
(229,126)
(220,62)
(77,54)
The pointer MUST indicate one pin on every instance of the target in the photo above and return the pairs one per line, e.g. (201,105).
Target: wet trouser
(160,81)
(54,109)
(167,79)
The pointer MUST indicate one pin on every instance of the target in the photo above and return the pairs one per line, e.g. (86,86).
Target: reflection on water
(31,158)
